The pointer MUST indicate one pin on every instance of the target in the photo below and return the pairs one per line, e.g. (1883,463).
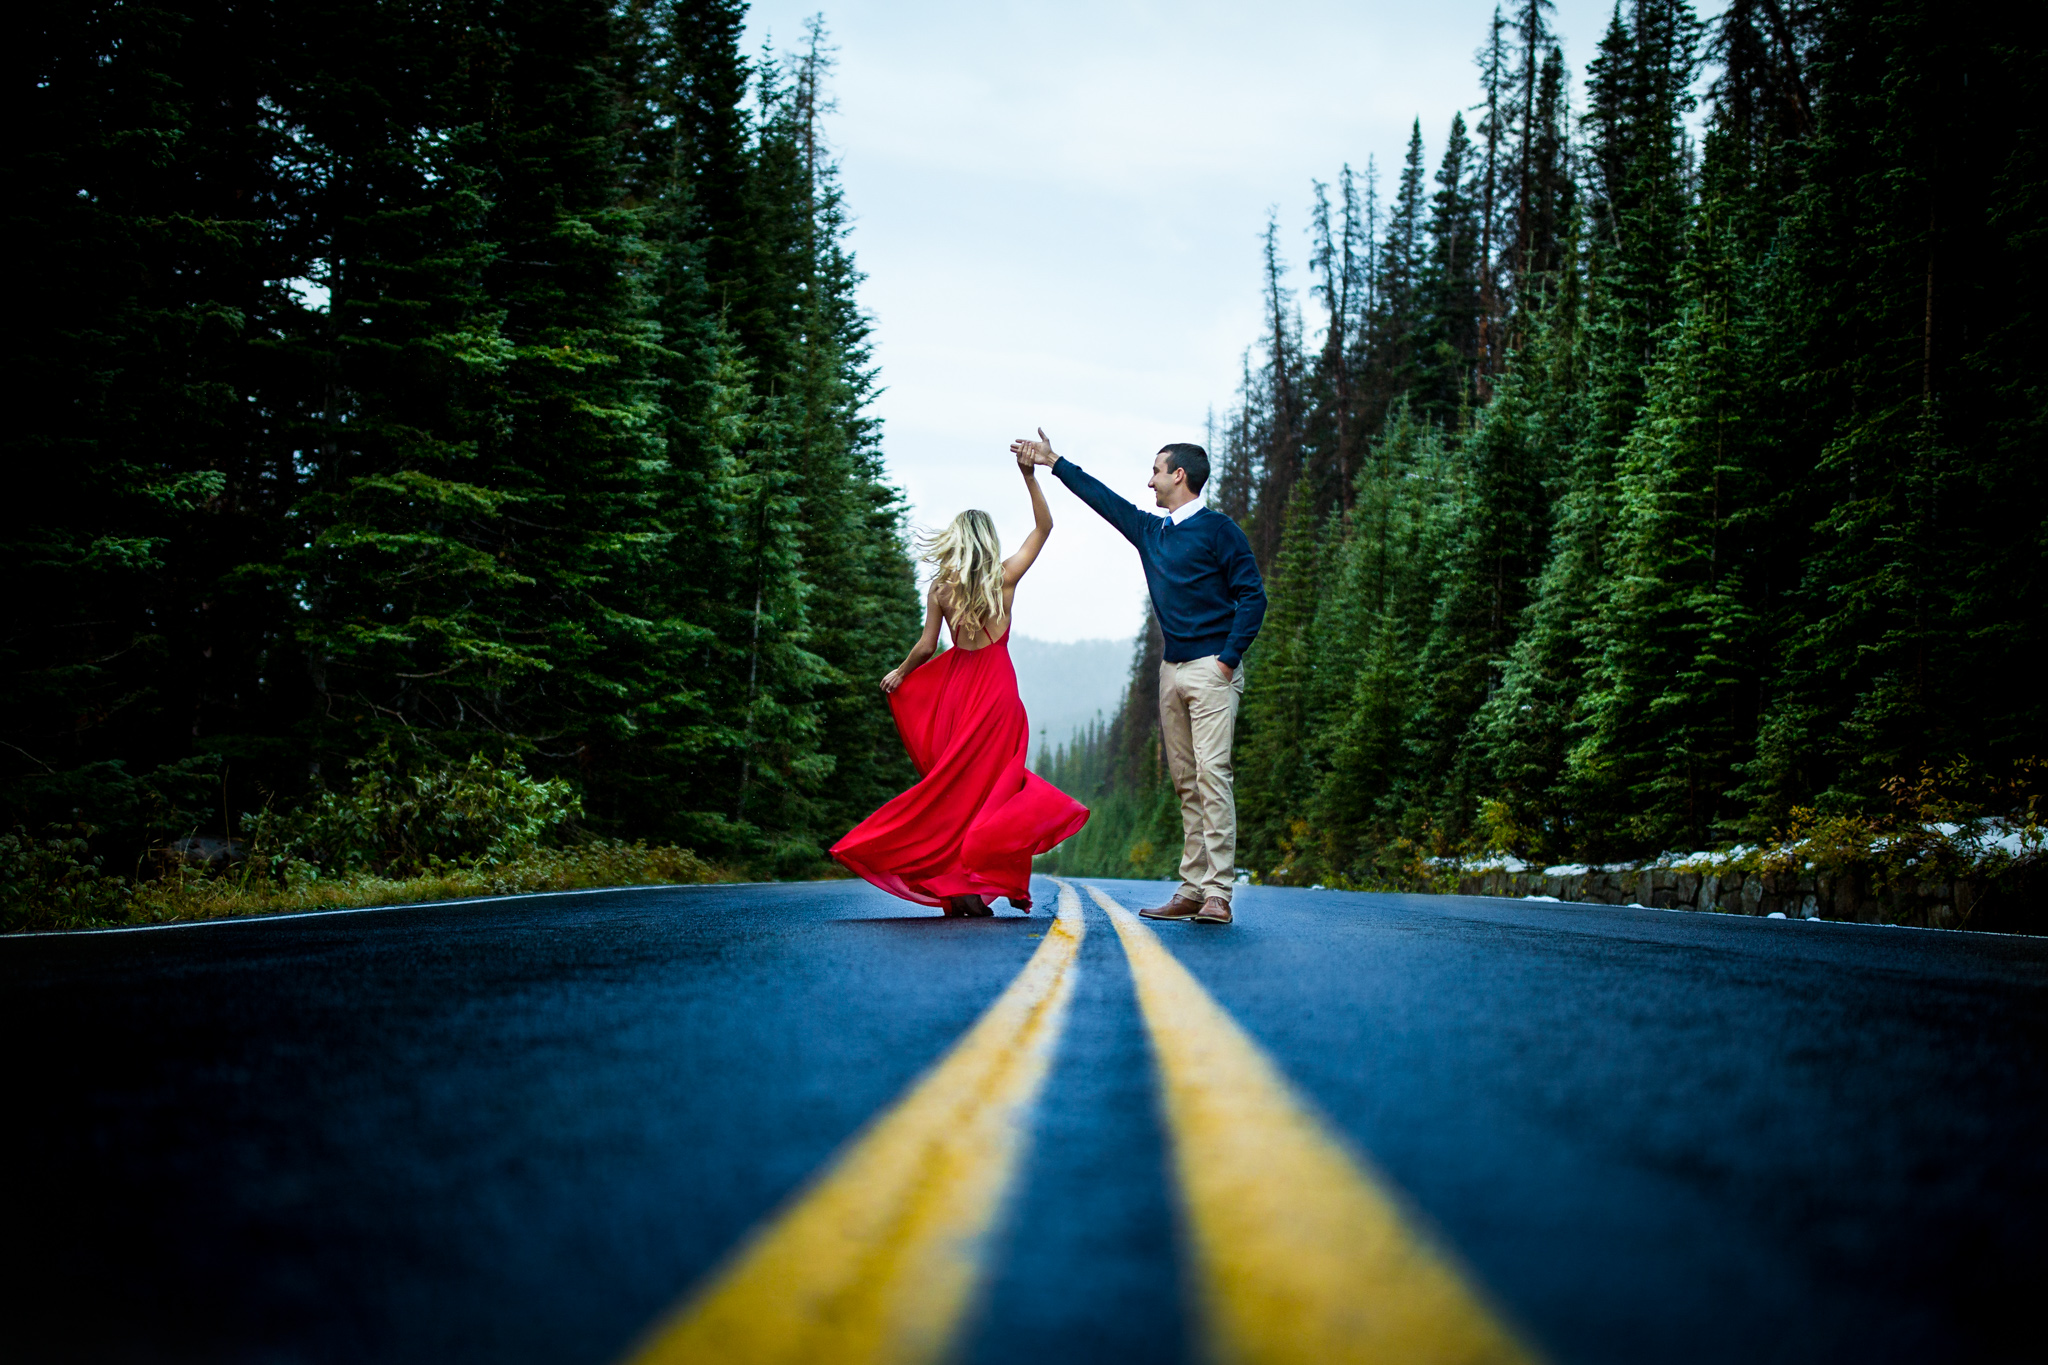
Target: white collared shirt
(1186,510)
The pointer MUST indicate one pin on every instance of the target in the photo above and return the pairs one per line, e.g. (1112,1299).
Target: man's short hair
(1191,460)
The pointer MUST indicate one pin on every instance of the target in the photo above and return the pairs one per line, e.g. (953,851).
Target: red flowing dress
(978,816)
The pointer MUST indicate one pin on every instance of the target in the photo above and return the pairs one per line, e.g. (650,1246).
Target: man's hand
(1228,672)
(1034,452)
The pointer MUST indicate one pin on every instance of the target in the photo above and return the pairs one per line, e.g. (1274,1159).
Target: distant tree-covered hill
(1069,685)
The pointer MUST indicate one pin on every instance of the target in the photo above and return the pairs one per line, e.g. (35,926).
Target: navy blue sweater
(1206,589)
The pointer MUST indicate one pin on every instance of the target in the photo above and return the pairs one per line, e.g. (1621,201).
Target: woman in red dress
(967,832)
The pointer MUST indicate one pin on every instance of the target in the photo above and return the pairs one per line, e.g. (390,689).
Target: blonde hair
(970,562)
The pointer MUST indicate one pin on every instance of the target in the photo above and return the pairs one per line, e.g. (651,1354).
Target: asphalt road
(521,1130)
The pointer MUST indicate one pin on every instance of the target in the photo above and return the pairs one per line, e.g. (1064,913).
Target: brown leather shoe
(1215,910)
(1180,907)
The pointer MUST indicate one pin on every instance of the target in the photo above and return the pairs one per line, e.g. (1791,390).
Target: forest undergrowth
(392,837)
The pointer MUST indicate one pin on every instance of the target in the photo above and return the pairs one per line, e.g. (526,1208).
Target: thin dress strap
(976,649)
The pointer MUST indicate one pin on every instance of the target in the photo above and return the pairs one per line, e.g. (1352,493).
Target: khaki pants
(1197,722)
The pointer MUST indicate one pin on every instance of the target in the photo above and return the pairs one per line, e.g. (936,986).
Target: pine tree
(1491,186)
(1501,516)
(1543,190)
(679,79)
(1636,206)
(1340,263)
(1670,706)
(1397,287)
(1373,621)
(1637,198)
(1905,304)
(862,605)
(1447,339)
(144,613)
(1524,728)
(400,594)
(576,438)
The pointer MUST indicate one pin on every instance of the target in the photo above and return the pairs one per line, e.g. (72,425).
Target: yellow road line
(1300,1255)
(878,1261)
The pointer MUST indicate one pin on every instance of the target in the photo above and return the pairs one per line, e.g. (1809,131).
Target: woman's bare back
(970,634)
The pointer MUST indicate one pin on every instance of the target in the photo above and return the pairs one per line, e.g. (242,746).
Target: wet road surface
(525,1130)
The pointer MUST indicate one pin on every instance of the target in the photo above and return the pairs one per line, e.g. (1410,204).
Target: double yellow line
(1300,1254)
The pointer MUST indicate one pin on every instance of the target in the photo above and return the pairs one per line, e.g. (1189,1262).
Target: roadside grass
(405,827)
(186,894)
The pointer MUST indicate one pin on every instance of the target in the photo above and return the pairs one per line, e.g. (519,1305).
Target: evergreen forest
(417,394)
(1661,474)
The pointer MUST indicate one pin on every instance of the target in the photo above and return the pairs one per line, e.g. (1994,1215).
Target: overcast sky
(1058,208)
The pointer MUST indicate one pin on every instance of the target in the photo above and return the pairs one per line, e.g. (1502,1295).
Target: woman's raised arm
(1041,515)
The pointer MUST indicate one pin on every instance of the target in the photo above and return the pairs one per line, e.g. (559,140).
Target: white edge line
(1603,905)
(370,909)
(1686,910)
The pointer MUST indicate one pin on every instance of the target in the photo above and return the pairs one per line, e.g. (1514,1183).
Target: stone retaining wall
(1805,895)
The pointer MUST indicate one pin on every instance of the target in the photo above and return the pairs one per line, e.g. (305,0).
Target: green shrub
(54,883)
(398,822)
(399,833)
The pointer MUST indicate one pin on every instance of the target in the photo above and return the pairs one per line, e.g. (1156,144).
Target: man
(1209,601)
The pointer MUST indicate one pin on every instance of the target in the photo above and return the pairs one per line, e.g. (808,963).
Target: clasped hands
(1030,452)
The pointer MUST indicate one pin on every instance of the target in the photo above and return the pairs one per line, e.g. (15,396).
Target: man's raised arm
(1118,512)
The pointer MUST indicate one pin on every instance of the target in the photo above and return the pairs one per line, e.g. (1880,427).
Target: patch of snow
(1704,858)
(1635,905)
(1945,829)
(1567,870)
(2012,843)
(1775,914)
(1319,887)
(1552,899)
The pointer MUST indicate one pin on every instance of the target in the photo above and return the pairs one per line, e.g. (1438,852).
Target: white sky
(1058,208)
